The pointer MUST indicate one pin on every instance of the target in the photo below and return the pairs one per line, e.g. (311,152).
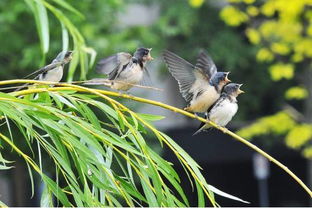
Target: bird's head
(143,54)
(233,89)
(220,79)
(64,56)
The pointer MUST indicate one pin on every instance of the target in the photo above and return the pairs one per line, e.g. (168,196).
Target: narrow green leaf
(149,194)
(150,117)
(200,195)
(92,54)
(31,180)
(226,195)
(3,167)
(42,23)
(46,198)
(69,7)
(57,191)
(65,38)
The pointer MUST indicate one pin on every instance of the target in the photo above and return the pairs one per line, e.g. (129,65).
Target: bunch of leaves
(53,20)
(100,159)
(282,32)
(56,7)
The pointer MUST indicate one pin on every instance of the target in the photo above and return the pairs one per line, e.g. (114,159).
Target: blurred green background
(266,45)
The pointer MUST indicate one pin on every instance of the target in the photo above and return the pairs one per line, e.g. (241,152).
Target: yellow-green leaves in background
(269,125)
(296,93)
(299,135)
(196,3)
(253,36)
(279,71)
(233,16)
(265,55)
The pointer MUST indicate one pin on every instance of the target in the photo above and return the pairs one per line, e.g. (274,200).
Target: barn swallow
(52,72)
(222,112)
(125,70)
(200,85)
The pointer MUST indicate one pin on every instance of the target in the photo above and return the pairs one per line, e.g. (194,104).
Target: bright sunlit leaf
(296,93)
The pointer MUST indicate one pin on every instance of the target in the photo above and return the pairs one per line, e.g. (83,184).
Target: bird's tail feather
(97,81)
(202,127)
(21,87)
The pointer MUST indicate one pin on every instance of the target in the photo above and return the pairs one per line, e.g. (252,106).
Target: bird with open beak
(125,70)
(200,85)
(222,112)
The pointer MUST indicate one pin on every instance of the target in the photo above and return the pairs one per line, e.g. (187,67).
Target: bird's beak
(149,57)
(227,80)
(239,91)
(149,49)
(71,55)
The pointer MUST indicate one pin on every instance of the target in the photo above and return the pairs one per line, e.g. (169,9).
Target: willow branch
(162,105)
(108,83)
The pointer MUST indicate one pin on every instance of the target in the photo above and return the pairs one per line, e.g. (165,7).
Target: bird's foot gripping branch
(85,146)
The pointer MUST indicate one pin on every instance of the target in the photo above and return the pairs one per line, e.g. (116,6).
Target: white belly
(54,75)
(129,77)
(201,103)
(223,113)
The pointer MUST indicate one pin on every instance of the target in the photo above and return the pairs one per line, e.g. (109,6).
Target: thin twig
(107,83)
(162,105)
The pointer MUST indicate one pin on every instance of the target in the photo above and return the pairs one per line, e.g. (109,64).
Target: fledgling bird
(200,85)
(52,72)
(125,70)
(224,108)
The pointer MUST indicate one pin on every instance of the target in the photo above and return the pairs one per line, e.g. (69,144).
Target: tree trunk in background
(308,114)
(19,181)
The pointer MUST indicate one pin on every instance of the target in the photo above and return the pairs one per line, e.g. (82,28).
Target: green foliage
(296,93)
(233,16)
(95,148)
(100,160)
(280,123)
(279,71)
(299,135)
(282,32)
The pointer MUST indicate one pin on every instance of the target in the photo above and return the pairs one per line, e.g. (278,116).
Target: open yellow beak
(149,58)
(239,91)
(227,80)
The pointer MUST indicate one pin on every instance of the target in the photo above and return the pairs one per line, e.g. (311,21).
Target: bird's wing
(114,64)
(185,73)
(206,64)
(44,69)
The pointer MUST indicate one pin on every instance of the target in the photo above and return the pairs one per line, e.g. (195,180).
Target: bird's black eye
(68,54)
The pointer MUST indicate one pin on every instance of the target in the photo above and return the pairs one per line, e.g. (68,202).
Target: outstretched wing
(113,65)
(185,73)
(206,64)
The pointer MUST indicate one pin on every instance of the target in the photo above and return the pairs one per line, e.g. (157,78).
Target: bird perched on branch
(222,112)
(124,70)
(200,85)
(52,72)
